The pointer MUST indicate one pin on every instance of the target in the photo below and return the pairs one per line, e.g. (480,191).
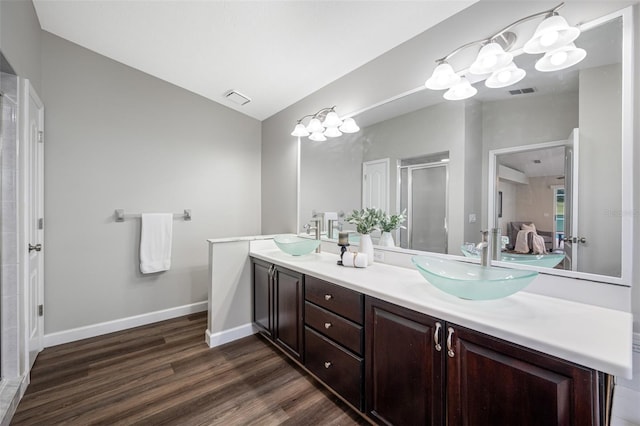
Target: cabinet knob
(449,343)
(436,337)
(328,297)
(327,364)
(327,325)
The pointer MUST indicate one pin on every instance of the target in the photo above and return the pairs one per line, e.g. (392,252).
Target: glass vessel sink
(549,260)
(470,281)
(295,245)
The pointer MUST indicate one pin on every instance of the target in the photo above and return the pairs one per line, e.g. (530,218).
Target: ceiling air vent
(522,91)
(237,97)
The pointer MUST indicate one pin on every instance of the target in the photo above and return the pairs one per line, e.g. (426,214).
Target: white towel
(329,216)
(155,242)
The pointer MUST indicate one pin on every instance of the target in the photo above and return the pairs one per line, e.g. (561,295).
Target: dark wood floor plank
(164,374)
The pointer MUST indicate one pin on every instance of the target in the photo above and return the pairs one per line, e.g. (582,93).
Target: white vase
(386,240)
(366,247)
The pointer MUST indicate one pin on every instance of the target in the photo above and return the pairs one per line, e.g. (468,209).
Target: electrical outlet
(378,255)
(472,218)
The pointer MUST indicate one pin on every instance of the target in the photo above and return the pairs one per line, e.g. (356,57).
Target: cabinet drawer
(335,298)
(338,368)
(335,327)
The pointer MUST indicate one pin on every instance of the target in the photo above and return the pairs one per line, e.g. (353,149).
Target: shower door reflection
(423,193)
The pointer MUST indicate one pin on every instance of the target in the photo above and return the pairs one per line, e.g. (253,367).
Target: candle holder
(343,242)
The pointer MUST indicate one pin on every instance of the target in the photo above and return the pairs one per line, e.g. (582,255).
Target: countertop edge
(577,349)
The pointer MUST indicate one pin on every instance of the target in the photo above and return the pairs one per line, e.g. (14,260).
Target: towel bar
(120,216)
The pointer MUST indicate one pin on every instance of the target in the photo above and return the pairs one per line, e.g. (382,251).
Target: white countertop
(588,335)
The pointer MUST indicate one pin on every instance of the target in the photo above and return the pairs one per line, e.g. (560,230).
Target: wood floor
(164,373)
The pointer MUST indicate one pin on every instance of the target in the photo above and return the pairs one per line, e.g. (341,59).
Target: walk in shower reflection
(424,194)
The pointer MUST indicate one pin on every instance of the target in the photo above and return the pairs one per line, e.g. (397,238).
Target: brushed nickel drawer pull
(328,297)
(436,337)
(327,325)
(327,364)
(449,343)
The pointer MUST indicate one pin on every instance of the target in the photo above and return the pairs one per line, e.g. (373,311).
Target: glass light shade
(300,130)
(332,120)
(552,33)
(442,78)
(490,58)
(317,136)
(315,126)
(349,126)
(561,58)
(332,132)
(504,77)
(460,91)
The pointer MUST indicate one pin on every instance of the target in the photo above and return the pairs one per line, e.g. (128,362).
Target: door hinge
(40,310)
(41,223)
(41,136)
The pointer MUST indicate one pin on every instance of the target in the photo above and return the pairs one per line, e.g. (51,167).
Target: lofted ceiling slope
(275,52)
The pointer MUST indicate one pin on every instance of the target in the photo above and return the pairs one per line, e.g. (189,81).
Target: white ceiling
(551,162)
(275,52)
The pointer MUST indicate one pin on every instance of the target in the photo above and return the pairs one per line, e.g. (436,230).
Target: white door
(571,240)
(32,218)
(375,184)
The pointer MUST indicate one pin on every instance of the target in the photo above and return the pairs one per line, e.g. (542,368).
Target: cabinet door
(262,297)
(288,294)
(492,382)
(404,370)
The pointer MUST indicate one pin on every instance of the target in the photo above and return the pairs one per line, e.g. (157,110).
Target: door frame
(491,219)
(27,92)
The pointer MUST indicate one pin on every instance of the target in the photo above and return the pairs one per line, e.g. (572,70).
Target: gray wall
(20,39)
(472,172)
(427,131)
(600,170)
(118,138)
(330,176)
(635,291)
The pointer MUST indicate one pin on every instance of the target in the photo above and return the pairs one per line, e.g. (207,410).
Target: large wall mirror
(553,150)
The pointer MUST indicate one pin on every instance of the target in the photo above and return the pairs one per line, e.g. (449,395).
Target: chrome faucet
(483,248)
(317,230)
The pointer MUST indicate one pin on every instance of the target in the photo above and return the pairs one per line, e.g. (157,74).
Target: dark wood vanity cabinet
(263,297)
(401,367)
(278,297)
(334,338)
(423,371)
(405,373)
(493,382)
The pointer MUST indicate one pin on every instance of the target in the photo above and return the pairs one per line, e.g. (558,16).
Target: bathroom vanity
(401,352)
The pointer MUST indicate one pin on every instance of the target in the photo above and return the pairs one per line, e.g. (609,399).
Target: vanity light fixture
(494,62)
(323,124)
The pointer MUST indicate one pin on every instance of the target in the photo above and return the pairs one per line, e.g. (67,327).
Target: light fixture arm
(459,49)
(549,12)
(329,109)
(546,13)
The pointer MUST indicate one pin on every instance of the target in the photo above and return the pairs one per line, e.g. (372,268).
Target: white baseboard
(226,336)
(66,336)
